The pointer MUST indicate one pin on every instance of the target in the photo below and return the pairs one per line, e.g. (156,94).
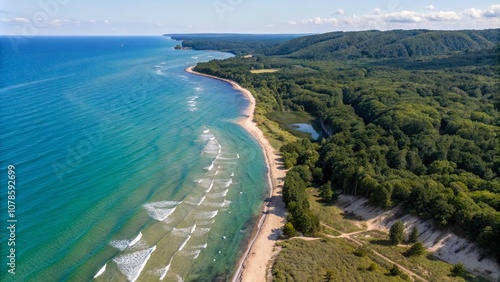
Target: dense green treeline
(239,44)
(422,133)
(397,44)
(400,44)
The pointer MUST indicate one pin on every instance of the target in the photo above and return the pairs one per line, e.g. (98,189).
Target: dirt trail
(348,236)
(442,243)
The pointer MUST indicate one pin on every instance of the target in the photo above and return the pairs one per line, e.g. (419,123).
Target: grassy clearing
(264,71)
(272,131)
(339,258)
(426,266)
(285,119)
(301,260)
(332,215)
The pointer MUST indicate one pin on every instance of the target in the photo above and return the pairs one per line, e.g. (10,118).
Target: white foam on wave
(132,264)
(101,271)
(224,204)
(204,246)
(212,147)
(195,202)
(225,182)
(210,187)
(201,231)
(165,204)
(207,215)
(164,271)
(160,210)
(209,168)
(119,244)
(206,131)
(194,253)
(181,232)
(184,243)
(135,240)
(201,201)
(218,195)
(206,222)
(198,89)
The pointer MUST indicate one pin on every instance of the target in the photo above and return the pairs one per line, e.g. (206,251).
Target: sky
(156,17)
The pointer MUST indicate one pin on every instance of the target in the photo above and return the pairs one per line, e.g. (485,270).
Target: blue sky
(153,17)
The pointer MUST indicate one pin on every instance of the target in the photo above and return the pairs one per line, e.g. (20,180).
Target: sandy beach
(260,251)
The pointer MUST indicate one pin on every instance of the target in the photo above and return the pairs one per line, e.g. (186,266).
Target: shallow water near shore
(127,167)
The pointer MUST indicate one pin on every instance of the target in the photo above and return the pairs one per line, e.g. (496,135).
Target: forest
(409,118)
(239,44)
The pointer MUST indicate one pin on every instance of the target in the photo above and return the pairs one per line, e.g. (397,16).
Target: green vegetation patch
(290,117)
(332,215)
(326,260)
(286,119)
(426,265)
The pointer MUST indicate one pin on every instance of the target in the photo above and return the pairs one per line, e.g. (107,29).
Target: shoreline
(253,265)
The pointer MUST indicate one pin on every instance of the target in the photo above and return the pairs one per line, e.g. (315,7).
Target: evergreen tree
(326,193)
(289,230)
(458,270)
(417,249)
(413,238)
(396,233)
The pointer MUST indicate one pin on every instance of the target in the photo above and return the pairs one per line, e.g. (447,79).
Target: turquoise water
(307,128)
(126,166)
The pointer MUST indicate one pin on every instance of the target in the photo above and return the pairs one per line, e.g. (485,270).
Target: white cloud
(106,21)
(319,20)
(91,21)
(493,11)
(340,12)
(473,13)
(404,17)
(443,16)
(429,7)
(408,19)
(270,25)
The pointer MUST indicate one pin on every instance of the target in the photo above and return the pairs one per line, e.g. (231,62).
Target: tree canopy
(420,131)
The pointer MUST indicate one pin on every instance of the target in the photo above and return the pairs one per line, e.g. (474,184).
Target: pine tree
(413,238)
(396,233)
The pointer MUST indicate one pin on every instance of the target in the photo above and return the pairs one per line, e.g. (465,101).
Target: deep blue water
(123,160)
